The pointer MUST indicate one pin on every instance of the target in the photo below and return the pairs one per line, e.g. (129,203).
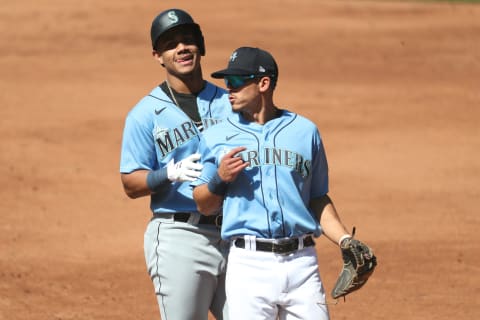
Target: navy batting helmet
(172,18)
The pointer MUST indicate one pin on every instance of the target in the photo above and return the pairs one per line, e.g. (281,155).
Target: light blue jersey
(288,168)
(172,130)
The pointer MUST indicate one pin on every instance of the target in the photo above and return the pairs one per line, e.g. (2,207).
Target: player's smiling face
(178,51)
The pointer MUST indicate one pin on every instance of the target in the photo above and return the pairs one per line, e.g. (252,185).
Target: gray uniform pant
(187,265)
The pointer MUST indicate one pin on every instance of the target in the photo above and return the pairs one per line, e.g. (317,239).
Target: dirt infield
(393,87)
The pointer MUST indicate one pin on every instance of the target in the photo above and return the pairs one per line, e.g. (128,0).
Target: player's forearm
(332,227)
(329,219)
(135,184)
(207,202)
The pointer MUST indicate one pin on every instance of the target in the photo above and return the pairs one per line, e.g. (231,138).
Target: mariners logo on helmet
(172,16)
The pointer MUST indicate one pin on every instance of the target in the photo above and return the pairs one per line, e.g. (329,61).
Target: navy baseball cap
(246,61)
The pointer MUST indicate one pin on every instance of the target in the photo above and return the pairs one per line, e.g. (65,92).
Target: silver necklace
(198,124)
(171,94)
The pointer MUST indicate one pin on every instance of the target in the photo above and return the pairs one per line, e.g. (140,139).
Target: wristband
(157,178)
(345,236)
(217,185)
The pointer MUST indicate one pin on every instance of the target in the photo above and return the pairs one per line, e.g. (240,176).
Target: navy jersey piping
(275,170)
(211,101)
(169,101)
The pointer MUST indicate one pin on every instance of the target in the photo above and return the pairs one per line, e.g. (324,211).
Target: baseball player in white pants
(267,168)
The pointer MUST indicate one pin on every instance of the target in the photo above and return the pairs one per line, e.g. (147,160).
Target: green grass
(442,1)
(452,1)
(462,1)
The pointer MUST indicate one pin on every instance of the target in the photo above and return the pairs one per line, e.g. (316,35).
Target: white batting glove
(187,169)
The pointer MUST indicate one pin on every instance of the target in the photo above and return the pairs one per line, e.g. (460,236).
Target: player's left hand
(187,169)
(359,262)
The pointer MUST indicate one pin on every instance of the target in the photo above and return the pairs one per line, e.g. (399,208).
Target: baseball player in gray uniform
(267,167)
(184,253)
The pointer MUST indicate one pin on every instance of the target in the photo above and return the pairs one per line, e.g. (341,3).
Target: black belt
(282,246)
(185,216)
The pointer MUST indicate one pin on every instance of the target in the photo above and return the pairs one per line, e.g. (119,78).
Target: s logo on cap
(172,16)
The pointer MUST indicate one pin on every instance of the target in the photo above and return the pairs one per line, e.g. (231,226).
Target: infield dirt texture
(393,87)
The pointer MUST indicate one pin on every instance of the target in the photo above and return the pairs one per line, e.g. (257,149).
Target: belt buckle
(289,246)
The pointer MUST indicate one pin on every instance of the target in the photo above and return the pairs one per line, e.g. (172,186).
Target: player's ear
(157,56)
(264,84)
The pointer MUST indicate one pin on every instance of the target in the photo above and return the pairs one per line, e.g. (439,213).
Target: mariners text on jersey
(275,156)
(169,139)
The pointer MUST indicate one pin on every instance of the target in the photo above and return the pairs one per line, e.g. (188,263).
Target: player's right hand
(232,164)
(187,169)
